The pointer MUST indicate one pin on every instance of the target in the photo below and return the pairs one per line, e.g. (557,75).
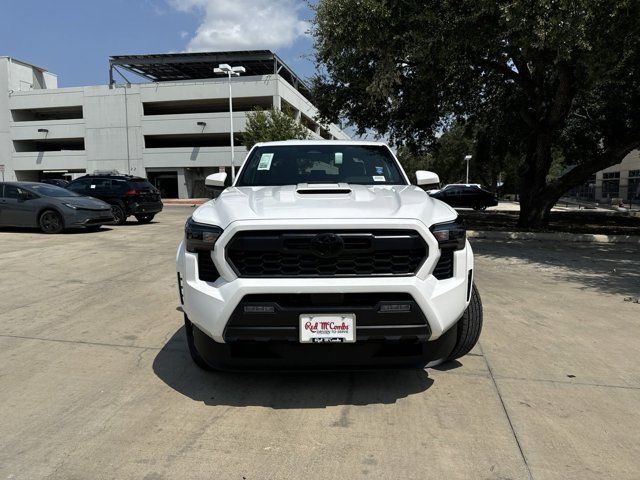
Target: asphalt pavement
(96,381)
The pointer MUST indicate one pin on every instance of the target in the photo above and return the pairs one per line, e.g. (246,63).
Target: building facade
(621,181)
(174,129)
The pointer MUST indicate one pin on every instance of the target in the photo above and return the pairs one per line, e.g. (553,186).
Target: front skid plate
(255,356)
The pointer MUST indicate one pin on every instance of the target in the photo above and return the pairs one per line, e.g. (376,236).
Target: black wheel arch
(118,202)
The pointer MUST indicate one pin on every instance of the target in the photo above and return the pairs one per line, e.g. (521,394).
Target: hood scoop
(323,189)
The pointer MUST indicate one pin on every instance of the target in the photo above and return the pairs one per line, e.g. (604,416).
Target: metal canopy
(192,66)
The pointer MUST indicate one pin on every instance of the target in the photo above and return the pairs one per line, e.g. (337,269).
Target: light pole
(225,69)
(467,158)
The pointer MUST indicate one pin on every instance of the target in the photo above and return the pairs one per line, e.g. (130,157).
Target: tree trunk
(536,197)
(535,209)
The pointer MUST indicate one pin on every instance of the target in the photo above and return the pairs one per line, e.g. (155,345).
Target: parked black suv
(128,195)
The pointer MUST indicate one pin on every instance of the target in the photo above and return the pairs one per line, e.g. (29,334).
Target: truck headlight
(450,235)
(200,237)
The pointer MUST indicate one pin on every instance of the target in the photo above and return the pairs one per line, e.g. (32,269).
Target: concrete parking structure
(174,128)
(96,381)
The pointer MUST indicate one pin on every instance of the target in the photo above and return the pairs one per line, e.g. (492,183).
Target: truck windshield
(293,164)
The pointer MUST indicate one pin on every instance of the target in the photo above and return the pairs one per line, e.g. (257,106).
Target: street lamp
(467,158)
(225,69)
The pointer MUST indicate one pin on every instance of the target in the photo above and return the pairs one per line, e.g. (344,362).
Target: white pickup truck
(323,255)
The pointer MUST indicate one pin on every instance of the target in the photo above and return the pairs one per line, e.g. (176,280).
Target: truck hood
(336,201)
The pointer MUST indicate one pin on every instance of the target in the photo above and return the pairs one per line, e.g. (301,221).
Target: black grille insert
(180,290)
(326,253)
(444,267)
(206,268)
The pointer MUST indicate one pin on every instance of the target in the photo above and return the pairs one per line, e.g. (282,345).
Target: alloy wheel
(51,222)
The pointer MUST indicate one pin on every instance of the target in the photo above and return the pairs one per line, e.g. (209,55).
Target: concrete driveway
(96,382)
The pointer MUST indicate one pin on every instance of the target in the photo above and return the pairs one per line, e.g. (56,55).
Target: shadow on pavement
(130,223)
(446,366)
(279,390)
(609,268)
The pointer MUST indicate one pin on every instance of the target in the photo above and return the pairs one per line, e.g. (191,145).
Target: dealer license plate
(328,328)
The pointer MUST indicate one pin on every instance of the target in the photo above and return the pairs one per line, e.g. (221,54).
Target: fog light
(259,309)
(395,307)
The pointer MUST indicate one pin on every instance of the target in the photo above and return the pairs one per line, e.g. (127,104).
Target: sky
(74,38)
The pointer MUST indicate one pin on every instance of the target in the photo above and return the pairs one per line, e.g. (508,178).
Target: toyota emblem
(327,245)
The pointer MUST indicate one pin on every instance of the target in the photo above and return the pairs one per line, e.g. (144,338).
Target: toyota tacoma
(323,255)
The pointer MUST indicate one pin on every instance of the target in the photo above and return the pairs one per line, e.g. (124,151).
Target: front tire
(145,218)
(193,350)
(469,327)
(51,222)
(118,214)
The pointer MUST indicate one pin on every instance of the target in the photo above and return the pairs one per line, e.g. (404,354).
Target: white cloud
(244,24)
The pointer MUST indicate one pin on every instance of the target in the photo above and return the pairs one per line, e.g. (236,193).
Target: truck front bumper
(296,356)
(210,305)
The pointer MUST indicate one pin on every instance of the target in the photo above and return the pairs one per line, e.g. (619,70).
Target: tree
(446,158)
(561,78)
(272,125)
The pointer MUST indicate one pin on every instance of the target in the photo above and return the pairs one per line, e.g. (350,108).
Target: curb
(554,236)
(190,202)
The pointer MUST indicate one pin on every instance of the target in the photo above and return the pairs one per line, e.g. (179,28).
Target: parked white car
(322,255)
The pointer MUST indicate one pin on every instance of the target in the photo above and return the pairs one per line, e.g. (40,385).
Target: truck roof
(320,142)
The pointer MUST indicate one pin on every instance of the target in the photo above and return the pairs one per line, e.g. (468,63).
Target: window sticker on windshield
(93,186)
(338,158)
(265,161)
(380,170)
(379,178)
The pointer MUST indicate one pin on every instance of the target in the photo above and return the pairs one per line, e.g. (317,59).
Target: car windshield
(293,164)
(51,191)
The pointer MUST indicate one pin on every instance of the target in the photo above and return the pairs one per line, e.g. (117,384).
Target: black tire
(145,218)
(51,222)
(469,327)
(119,215)
(193,350)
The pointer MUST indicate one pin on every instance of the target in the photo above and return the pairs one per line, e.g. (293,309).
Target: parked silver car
(50,208)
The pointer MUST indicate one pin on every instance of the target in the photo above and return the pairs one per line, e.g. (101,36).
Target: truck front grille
(326,253)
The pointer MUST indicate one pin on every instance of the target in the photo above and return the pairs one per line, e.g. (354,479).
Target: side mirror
(215,180)
(425,177)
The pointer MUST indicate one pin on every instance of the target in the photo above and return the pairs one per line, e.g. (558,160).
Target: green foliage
(446,158)
(412,161)
(535,83)
(272,125)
